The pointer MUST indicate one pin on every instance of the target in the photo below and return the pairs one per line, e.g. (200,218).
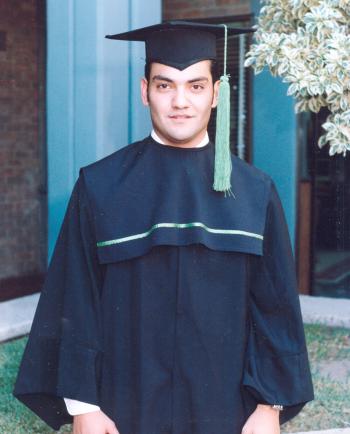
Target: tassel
(223,163)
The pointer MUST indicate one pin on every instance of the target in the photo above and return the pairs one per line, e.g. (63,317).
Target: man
(170,307)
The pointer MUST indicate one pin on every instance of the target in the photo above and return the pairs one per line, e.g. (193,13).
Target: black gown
(172,307)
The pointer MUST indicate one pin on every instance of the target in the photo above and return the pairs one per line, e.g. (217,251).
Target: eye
(197,87)
(163,86)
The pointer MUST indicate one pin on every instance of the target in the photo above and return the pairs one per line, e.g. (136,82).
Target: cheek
(158,105)
(204,104)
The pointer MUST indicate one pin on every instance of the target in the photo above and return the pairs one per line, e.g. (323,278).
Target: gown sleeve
(276,365)
(62,355)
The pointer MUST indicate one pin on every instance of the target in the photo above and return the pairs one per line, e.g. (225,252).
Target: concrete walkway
(16,315)
(325,310)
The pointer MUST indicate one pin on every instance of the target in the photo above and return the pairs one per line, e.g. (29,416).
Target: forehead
(196,70)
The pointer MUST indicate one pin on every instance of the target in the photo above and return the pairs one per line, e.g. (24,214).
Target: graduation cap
(180,44)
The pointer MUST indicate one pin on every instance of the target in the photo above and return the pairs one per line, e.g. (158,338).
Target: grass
(15,418)
(331,408)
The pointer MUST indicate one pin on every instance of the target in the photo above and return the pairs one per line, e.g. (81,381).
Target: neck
(200,140)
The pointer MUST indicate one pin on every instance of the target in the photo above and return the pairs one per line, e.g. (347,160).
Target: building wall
(274,137)
(177,9)
(22,159)
(93,101)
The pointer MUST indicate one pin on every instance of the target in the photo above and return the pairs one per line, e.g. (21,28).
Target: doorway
(324,208)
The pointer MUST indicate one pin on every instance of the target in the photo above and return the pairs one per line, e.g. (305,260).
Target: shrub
(307,43)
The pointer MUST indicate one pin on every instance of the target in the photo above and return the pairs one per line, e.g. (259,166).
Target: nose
(180,99)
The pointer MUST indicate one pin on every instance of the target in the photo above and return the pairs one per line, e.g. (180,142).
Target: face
(180,102)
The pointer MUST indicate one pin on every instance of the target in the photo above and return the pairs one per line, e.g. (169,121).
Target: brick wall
(22,149)
(178,9)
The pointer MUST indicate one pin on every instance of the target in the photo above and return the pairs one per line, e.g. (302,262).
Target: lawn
(331,408)
(15,418)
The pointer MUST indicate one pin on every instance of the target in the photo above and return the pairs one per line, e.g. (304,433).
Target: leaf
(333,97)
(314,105)
(340,75)
(300,106)
(344,104)
(250,61)
(337,87)
(328,126)
(292,89)
(314,89)
(283,68)
(258,69)
(332,150)
(322,141)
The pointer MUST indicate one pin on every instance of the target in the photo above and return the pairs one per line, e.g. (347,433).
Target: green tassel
(223,163)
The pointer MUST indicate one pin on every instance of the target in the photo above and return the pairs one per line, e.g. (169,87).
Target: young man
(170,308)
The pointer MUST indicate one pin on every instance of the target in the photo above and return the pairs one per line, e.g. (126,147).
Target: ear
(144,91)
(216,94)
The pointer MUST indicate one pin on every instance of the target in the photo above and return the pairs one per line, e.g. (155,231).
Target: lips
(180,117)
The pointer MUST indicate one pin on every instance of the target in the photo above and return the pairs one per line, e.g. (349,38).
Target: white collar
(202,143)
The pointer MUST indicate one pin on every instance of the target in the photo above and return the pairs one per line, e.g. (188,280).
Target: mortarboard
(180,44)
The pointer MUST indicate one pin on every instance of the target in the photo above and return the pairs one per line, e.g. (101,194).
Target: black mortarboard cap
(179,43)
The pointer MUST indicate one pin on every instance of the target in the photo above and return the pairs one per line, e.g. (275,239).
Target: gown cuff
(75,407)
(282,380)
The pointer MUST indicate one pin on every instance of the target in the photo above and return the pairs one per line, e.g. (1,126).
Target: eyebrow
(168,80)
(198,79)
(162,78)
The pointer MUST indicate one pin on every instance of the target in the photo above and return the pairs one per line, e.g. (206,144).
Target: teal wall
(92,89)
(275,137)
(274,140)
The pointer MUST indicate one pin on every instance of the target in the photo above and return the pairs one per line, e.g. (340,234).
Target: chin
(182,138)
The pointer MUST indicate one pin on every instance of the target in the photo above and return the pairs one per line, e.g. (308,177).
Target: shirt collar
(202,143)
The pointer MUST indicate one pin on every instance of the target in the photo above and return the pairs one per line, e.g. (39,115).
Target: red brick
(177,9)
(20,151)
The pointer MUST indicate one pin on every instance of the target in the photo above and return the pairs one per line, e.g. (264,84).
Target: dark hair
(213,70)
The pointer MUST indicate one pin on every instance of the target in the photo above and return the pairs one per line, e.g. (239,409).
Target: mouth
(180,117)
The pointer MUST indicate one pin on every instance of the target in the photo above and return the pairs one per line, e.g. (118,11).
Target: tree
(307,43)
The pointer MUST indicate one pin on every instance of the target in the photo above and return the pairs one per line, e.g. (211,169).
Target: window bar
(241,99)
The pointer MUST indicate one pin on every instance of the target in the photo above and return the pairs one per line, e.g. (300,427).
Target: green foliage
(307,43)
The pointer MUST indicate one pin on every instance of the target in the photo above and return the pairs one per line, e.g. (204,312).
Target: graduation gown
(172,307)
